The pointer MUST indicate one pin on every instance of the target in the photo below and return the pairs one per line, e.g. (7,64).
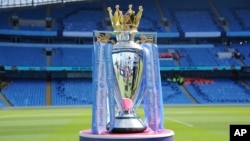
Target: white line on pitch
(181,122)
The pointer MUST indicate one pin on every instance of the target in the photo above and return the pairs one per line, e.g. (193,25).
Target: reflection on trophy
(128,64)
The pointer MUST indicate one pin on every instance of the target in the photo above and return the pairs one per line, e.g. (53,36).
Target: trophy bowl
(128,64)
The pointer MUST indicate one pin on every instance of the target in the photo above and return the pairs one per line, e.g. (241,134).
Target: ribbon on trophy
(153,104)
(99,88)
(111,89)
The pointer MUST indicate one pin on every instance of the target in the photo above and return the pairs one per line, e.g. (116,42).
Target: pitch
(190,123)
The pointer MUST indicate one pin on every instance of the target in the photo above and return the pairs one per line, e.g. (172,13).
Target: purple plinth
(147,135)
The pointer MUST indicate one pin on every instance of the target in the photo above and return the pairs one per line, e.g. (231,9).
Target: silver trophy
(128,64)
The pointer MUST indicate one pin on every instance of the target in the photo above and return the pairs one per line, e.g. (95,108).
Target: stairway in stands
(4,100)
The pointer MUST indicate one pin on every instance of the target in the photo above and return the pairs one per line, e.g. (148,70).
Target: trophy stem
(128,123)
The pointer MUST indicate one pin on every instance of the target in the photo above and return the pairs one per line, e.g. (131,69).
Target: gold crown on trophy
(130,21)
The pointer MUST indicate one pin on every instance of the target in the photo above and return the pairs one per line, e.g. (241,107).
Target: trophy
(128,68)
(126,71)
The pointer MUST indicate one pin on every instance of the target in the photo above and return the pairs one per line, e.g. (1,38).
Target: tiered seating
(244,50)
(84,21)
(72,57)
(196,57)
(78,16)
(166,7)
(201,57)
(195,20)
(205,57)
(172,94)
(222,91)
(228,91)
(185,16)
(166,63)
(85,16)
(71,92)
(241,15)
(190,16)
(28,92)
(4,24)
(184,61)
(225,9)
(198,94)
(22,56)
(38,13)
(88,17)
(222,61)
(30,19)
(78,92)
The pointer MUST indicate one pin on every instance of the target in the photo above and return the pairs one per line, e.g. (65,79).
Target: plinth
(147,135)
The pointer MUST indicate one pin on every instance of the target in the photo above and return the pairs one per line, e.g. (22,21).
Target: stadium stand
(244,51)
(222,91)
(90,15)
(172,94)
(72,57)
(193,36)
(191,17)
(226,11)
(26,92)
(231,12)
(231,61)
(12,56)
(71,92)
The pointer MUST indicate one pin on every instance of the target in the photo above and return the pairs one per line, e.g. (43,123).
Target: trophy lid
(128,22)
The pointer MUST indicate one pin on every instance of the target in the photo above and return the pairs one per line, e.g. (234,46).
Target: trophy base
(128,124)
(147,135)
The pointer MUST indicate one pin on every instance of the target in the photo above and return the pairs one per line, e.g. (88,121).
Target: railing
(20,3)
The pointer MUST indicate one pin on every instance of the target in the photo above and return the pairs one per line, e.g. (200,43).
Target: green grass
(190,123)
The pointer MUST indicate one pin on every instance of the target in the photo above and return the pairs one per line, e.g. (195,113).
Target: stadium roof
(22,3)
